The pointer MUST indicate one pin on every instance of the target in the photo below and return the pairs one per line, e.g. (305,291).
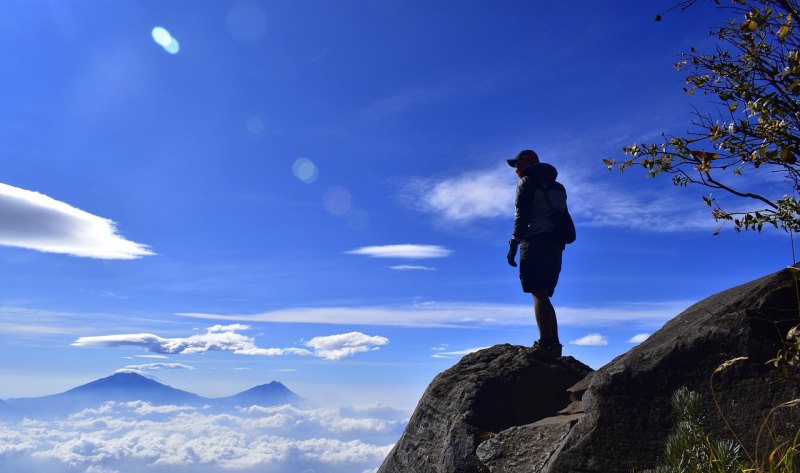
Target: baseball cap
(524,154)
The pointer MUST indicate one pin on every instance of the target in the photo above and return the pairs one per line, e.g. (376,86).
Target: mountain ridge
(128,386)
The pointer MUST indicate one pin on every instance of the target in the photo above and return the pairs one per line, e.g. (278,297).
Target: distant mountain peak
(268,394)
(126,386)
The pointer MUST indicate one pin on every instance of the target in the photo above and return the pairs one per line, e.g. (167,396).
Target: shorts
(540,263)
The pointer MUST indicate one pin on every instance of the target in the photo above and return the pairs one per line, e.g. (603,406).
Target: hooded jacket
(533,213)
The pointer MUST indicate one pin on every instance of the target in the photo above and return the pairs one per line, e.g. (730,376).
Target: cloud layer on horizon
(136,436)
(35,221)
(227,338)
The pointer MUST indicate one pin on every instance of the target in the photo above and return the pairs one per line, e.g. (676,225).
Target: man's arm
(522,208)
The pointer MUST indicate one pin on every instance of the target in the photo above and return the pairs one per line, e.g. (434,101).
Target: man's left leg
(548,344)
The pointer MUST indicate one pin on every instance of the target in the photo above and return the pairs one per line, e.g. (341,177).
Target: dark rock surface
(628,412)
(485,393)
(526,448)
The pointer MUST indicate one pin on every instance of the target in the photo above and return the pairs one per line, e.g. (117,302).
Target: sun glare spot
(255,126)
(247,22)
(163,38)
(337,200)
(305,170)
(357,220)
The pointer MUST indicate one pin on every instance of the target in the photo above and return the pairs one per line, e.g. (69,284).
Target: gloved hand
(512,252)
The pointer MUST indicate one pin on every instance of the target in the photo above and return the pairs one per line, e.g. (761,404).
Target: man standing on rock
(539,198)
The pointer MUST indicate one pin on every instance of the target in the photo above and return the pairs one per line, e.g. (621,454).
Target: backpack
(563,226)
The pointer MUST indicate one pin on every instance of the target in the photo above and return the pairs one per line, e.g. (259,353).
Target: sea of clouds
(137,437)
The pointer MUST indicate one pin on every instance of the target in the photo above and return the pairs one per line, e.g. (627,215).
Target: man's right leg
(545,315)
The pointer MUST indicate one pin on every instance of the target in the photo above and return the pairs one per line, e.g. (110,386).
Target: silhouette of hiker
(538,197)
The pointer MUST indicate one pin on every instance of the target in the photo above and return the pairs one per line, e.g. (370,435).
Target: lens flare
(163,38)
(255,126)
(357,220)
(247,22)
(337,201)
(305,170)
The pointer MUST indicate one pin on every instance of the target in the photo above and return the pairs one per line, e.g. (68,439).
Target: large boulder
(627,404)
(483,394)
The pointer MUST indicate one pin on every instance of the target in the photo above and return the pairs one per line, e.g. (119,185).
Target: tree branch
(722,186)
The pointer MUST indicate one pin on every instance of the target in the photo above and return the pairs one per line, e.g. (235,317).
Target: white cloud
(99,469)
(407,251)
(639,338)
(137,436)
(411,267)
(272,351)
(336,347)
(461,314)
(456,354)
(472,195)
(35,221)
(154,367)
(591,340)
(157,357)
(489,193)
(218,337)
(227,338)
(146,409)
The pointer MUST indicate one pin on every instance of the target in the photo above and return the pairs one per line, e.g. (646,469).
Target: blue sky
(315,191)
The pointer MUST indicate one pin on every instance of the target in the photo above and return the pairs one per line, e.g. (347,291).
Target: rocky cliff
(485,393)
(500,410)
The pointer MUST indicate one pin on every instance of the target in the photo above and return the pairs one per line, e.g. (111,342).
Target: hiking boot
(546,351)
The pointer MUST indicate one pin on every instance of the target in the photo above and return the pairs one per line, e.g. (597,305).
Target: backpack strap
(547,198)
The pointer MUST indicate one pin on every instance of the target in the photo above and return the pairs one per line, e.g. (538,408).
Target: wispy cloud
(35,221)
(591,340)
(227,338)
(406,251)
(460,314)
(601,204)
(158,357)
(411,267)
(23,320)
(391,105)
(455,354)
(639,338)
(489,193)
(154,367)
